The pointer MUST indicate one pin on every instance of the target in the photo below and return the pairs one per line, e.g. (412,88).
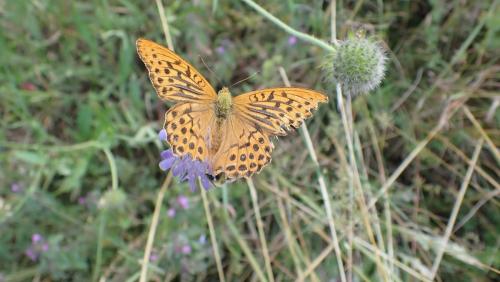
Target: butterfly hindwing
(173,78)
(275,109)
(186,125)
(245,150)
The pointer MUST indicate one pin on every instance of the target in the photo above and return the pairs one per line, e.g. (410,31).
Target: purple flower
(82,201)
(31,254)
(186,169)
(183,201)
(15,187)
(171,212)
(220,50)
(36,238)
(37,247)
(292,40)
(203,239)
(186,249)
(153,257)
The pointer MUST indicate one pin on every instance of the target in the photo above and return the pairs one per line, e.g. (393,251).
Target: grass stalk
(244,247)
(456,208)
(100,238)
(289,237)
(213,238)
(260,229)
(322,186)
(448,112)
(164,24)
(152,228)
(484,135)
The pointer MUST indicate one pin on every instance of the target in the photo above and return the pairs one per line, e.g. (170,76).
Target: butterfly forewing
(276,109)
(173,78)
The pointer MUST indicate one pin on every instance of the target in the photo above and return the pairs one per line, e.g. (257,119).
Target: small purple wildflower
(16,187)
(82,200)
(31,254)
(220,50)
(186,168)
(36,238)
(37,247)
(186,249)
(153,257)
(183,201)
(171,212)
(292,40)
(203,239)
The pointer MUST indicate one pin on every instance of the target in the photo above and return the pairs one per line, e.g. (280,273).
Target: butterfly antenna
(247,78)
(210,70)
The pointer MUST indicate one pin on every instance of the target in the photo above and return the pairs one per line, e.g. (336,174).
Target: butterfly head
(224,103)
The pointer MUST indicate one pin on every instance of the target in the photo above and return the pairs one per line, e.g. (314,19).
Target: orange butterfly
(231,134)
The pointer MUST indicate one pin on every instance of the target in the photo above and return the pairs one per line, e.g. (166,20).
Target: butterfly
(231,134)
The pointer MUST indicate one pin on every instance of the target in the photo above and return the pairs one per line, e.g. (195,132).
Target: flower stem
(346,115)
(112,166)
(100,237)
(213,239)
(260,228)
(304,36)
(152,228)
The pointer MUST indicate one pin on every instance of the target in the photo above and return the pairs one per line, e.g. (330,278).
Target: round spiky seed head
(358,65)
(113,199)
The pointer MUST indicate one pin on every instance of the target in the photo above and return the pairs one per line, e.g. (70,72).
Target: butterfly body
(224,103)
(232,134)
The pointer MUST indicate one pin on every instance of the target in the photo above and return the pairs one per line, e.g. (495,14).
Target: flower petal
(162,135)
(167,154)
(206,182)
(166,163)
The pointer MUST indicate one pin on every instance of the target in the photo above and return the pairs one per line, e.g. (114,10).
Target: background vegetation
(77,109)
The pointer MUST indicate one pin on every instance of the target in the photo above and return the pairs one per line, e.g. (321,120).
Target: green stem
(152,228)
(260,229)
(244,247)
(100,238)
(112,166)
(300,35)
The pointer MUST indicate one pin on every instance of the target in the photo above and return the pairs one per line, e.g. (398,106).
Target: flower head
(220,50)
(292,40)
(186,169)
(183,201)
(203,239)
(113,199)
(16,187)
(186,249)
(171,212)
(37,247)
(358,64)
(153,257)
